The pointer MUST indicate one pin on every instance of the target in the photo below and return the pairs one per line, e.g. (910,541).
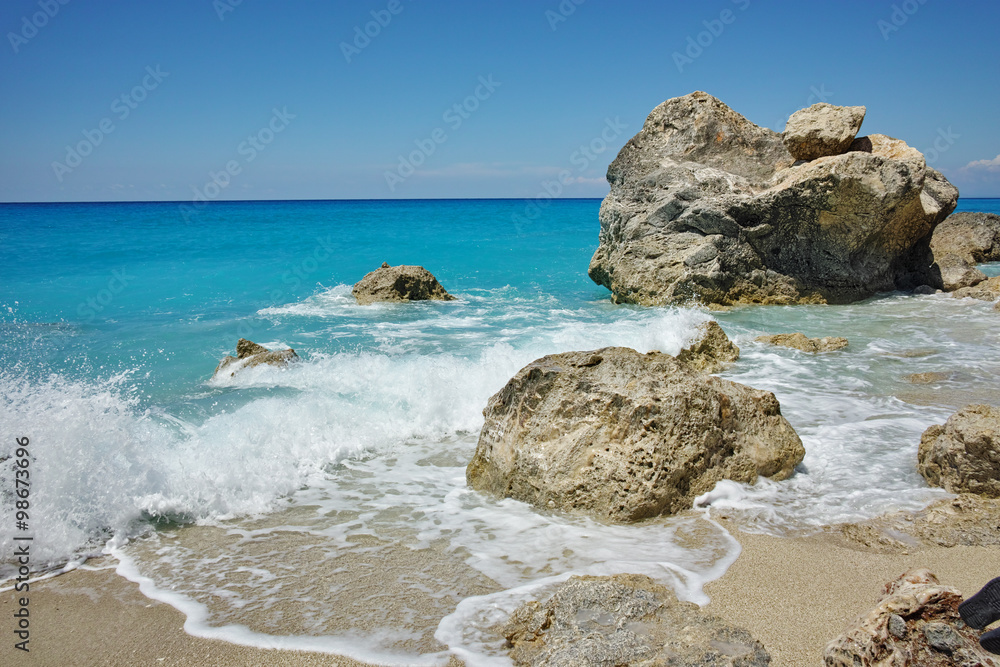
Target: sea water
(324,505)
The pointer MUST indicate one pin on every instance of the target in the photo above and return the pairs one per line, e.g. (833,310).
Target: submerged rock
(706,206)
(799,341)
(711,351)
(250,354)
(822,129)
(967,520)
(399,283)
(623,620)
(915,623)
(963,455)
(623,436)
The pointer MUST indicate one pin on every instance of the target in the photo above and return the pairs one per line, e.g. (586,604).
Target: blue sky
(257,99)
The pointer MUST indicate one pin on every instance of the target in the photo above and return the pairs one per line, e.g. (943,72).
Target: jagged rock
(799,341)
(623,436)
(822,129)
(706,206)
(974,237)
(963,456)
(987,290)
(250,354)
(624,620)
(399,283)
(967,520)
(711,351)
(915,623)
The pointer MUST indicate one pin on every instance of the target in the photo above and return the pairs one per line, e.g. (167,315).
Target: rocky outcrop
(250,354)
(711,351)
(821,130)
(799,341)
(967,520)
(623,436)
(706,206)
(915,623)
(624,620)
(399,283)
(987,290)
(963,456)
(958,244)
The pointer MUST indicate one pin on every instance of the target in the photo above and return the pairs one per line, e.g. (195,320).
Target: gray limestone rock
(963,455)
(711,351)
(399,283)
(821,130)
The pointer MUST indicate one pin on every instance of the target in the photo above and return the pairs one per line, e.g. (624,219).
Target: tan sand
(797,594)
(793,594)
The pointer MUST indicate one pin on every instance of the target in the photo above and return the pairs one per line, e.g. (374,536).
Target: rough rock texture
(967,520)
(822,129)
(250,354)
(915,623)
(711,351)
(987,290)
(399,283)
(622,620)
(623,436)
(963,456)
(706,206)
(974,237)
(799,341)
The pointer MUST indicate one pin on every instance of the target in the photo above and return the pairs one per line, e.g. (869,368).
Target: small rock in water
(623,620)
(963,455)
(799,341)
(399,283)
(711,351)
(252,354)
(915,623)
(927,378)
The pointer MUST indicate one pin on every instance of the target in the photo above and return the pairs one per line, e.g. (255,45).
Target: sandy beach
(792,594)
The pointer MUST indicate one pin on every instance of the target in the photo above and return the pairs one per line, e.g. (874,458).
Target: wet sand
(793,594)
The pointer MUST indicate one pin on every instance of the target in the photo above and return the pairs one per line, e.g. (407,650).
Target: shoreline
(794,595)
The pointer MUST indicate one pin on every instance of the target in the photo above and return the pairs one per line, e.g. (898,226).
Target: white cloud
(984,165)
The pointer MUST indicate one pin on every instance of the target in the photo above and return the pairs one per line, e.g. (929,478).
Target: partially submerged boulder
(711,350)
(822,129)
(963,455)
(966,520)
(623,436)
(706,206)
(987,290)
(250,354)
(399,283)
(624,620)
(915,623)
(799,341)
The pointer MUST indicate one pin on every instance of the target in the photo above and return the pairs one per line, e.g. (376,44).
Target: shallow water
(324,505)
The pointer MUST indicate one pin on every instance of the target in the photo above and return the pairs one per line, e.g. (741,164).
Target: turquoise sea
(324,505)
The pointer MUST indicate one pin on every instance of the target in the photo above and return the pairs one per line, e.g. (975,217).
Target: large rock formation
(399,283)
(711,350)
(915,623)
(624,436)
(799,341)
(963,456)
(961,242)
(624,620)
(822,129)
(706,206)
(250,354)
